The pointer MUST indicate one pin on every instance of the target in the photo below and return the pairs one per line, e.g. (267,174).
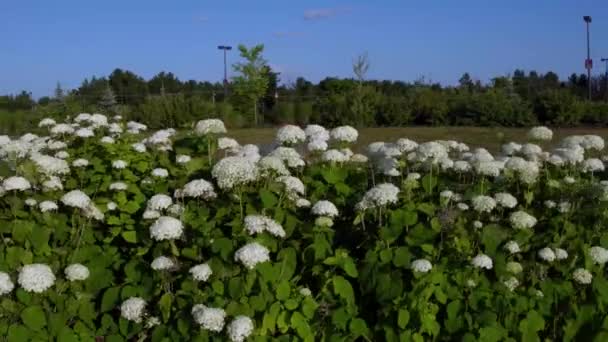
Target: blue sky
(43,41)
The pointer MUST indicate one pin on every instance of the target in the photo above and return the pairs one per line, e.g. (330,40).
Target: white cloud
(323,13)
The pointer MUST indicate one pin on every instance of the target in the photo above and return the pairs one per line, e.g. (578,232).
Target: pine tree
(108,100)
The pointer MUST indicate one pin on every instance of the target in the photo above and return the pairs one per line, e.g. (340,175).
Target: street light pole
(588,61)
(605,60)
(225,48)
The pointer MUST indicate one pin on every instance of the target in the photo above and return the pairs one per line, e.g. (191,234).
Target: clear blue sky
(43,41)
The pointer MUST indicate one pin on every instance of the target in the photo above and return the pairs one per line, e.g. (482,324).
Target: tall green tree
(252,82)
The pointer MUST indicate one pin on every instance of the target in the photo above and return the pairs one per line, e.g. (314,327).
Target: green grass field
(489,138)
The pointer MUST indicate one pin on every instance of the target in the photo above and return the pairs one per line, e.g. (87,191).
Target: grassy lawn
(473,136)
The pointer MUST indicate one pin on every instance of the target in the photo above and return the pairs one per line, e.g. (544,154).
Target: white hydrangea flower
(582,276)
(106,140)
(512,247)
(162,263)
(599,255)
(61,129)
(490,168)
(98,120)
(80,162)
(461,166)
(240,328)
(511,148)
(251,254)
(47,206)
(334,156)
(119,164)
(201,272)
(560,254)
(592,165)
(406,145)
(118,186)
(160,173)
(139,147)
(52,184)
(199,188)
(30,202)
(91,211)
(133,309)
(303,203)
(36,278)
(325,208)
(540,133)
(76,199)
(293,186)
(477,224)
(182,159)
(62,155)
(6,284)
(344,134)
(592,142)
(512,283)
(256,224)
(150,214)
(50,165)
(569,180)
(271,166)
(462,206)
(115,128)
(56,145)
(446,194)
(84,132)
(176,209)
(232,172)
(159,202)
(225,143)
(288,155)
(76,272)
(505,200)
(211,319)
(482,261)
(290,134)
(46,122)
(305,291)
(16,183)
(111,206)
(421,265)
(316,132)
(379,196)
(564,207)
(483,204)
(359,158)
(166,228)
(547,254)
(209,126)
(550,204)
(431,152)
(522,220)
(316,145)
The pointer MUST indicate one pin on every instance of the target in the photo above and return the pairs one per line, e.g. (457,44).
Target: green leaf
(343,289)
(129,236)
(358,327)
(403,318)
(402,257)
(33,317)
(165,306)
(218,287)
(223,246)
(309,307)
(288,259)
(291,304)
(109,299)
(67,335)
(429,182)
(491,237)
(299,323)
(18,333)
(269,200)
(283,290)
(530,326)
(270,319)
(493,333)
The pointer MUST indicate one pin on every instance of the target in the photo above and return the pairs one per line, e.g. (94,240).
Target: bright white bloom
(512,247)
(582,276)
(111,206)
(599,255)
(483,204)
(199,188)
(564,207)
(175,209)
(98,120)
(379,196)
(211,319)
(593,165)
(159,202)
(56,145)
(36,278)
(316,145)
(446,194)
(76,272)
(84,132)
(225,143)
(511,148)
(6,284)
(305,291)
(540,133)
(82,117)
(62,155)
(61,129)
(107,140)
(293,185)
(334,156)
(209,126)
(477,224)
(316,132)
(290,134)
(555,160)
(16,183)
(359,158)
(135,127)
(139,147)
(250,152)
(133,309)
(571,155)
(91,211)
(560,254)
(118,186)
(240,328)
(505,200)
(289,155)
(511,283)
(150,214)
(550,204)
(46,122)
(160,173)
(344,134)
(201,272)
(482,261)
(431,152)
(325,208)
(76,199)
(490,168)
(256,224)
(162,263)
(303,203)
(461,166)
(232,172)
(547,254)
(50,165)
(462,206)
(272,166)
(115,128)
(52,184)
(406,145)
(522,220)
(119,164)
(166,228)
(251,254)
(80,162)
(30,202)
(182,159)
(592,142)
(421,265)
(47,206)
(569,180)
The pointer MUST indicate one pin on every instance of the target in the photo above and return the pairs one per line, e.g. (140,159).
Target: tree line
(257,98)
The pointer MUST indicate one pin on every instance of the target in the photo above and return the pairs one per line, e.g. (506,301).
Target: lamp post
(588,61)
(605,60)
(225,48)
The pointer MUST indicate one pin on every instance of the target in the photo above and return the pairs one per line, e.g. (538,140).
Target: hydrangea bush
(110,233)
